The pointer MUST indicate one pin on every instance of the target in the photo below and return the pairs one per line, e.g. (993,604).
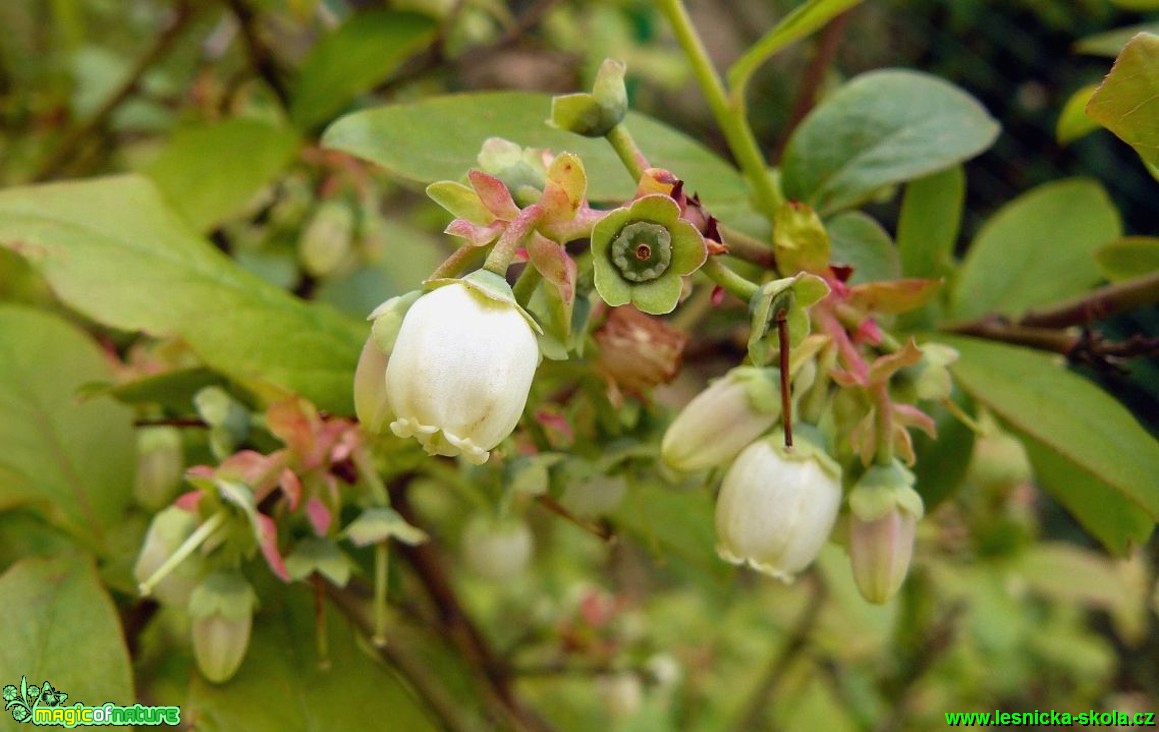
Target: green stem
(732,282)
(461,259)
(883,420)
(729,116)
(525,285)
(370,474)
(381,574)
(190,545)
(630,155)
(748,248)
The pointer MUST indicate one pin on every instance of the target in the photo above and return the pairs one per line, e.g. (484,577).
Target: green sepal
(885,487)
(388,319)
(460,200)
(518,167)
(795,295)
(594,114)
(491,286)
(225,593)
(379,523)
(315,554)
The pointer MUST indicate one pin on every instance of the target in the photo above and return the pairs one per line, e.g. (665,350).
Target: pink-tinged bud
(885,510)
(777,505)
(721,420)
(881,551)
(222,612)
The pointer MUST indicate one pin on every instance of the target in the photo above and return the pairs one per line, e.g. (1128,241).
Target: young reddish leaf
(892,297)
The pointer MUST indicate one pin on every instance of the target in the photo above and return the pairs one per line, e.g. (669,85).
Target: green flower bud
(167,532)
(595,114)
(160,464)
(328,240)
(222,609)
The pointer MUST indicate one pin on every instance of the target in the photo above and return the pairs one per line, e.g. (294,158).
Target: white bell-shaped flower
(777,506)
(719,421)
(461,367)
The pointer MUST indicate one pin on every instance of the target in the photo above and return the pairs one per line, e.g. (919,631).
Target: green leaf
(1073,121)
(440,138)
(208,173)
(73,462)
(931,214)
(1138,6)
(1099,441)
(1111,43)
(800,22)
(1036,249)
(283,686)
(1114,520)
(857,240)
(1128,257)
(364,51)
(942,461)
(60,626)
(881,128)
(112,250)
(1127,102)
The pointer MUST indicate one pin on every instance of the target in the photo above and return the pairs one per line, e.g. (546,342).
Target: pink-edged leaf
(910,416)
(553,262)
(293,422)
(475,234)
(494,195)
(266,533)
(886,366)
(460,200)
(191,500)
(566,185)
(319,515)
(291,485)
(892,297)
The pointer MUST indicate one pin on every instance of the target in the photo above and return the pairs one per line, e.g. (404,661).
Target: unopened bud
(721,420)
(885,510)
(222,609)
(160,464)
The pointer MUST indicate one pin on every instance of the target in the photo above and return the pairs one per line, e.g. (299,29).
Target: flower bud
(167,532)
(160,463)
(222,611)
(777,505)
(638,351)
(497,550)
(461,368)
(885,511)
(721,420)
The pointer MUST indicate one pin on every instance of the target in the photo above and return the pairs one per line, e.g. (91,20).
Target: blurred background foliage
(1009,605)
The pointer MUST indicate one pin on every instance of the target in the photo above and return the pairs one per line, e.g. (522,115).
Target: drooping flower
(461,367)
(777,505)
(721,420)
